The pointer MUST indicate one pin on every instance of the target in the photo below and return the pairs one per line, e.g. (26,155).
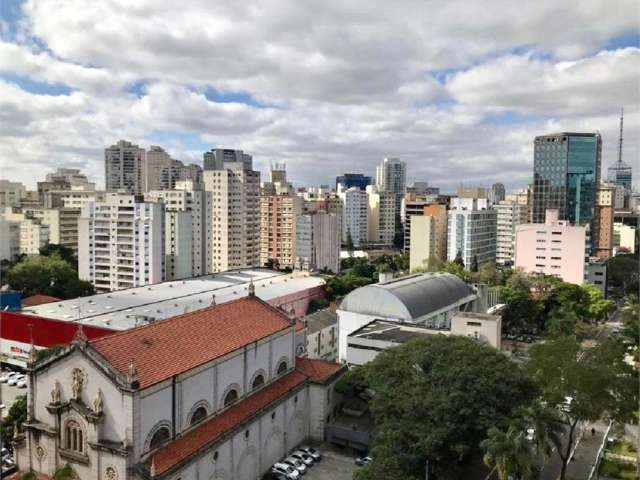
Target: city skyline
(349,91)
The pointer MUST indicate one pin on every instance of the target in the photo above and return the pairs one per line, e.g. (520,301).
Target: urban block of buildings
(216,393)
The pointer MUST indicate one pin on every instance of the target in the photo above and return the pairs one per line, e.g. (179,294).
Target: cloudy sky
(458,89)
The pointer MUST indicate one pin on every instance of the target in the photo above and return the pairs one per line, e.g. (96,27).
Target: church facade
(216,394)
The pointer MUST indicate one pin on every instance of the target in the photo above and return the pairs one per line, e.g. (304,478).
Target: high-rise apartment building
(625,238)
(318,241)
(554,248)
(187,229)
(121,242)
(391,176)
(414,205)
(161,172)
(62,223)
(349,180)
(278,214)
(235,213)
(30,232)
(11,193)
(124,163)
(602,234)
(9,238)
(566,175)
(217,157)
(355,206)
(497,193)
(472,192)
(509,215)
(381,214)
(471,231)
(428,234)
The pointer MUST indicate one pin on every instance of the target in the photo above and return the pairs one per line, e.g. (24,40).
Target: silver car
(297,464)
(303,457)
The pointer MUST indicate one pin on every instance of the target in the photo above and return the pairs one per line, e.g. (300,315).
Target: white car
(303,457)
(315,454)
(22,383)
(287,470)
(15,379)
(4,378)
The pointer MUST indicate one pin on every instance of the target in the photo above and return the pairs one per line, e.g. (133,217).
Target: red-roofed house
(214,393)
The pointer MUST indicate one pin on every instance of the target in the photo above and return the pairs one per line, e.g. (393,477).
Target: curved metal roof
(408,298)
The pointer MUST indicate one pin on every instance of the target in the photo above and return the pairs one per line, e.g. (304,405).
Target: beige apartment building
(278,214)
(381,216)
(11,193)
(624,238)
(603,221)
(554,248)
(510,214)
(428,236)
(31,234)
(235,215)
(62,223)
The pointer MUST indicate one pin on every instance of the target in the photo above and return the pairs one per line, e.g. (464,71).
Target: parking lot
(8,395)
(335,465)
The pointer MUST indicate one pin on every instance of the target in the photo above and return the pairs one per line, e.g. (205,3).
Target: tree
(37,274)
(15,418)
(474,264)
(622,273)
(488,273)
(521,312)
(509,451)
(349,245)
(562,322)
(598,308)
(597,381)
(65,472)
(65,253)
(458,260)
(434,399)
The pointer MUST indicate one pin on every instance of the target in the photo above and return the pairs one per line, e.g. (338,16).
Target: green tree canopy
(16,416)
(435,398)
(622,273)
(521,311)
(37,274)
(65,253)
(598,382)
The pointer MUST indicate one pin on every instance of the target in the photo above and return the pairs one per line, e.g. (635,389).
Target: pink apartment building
(553,248)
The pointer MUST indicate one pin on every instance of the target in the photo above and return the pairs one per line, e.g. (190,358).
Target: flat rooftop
(124,309)
(319,320)
(386,331)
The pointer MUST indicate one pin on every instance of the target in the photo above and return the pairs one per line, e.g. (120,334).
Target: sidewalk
(585,454)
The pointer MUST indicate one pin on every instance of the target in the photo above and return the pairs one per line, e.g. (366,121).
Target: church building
(220,393)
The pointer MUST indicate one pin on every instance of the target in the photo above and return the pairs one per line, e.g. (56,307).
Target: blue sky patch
(36,87)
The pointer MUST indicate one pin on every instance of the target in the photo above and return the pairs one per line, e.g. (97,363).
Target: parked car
(15,379)
(566,405)
(315,453)
(6,376)
(286,470)
(297,464)
(362,461)
(22,383)
(303,457)
(274,476)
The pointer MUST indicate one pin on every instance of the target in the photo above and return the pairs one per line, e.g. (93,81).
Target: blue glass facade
(566,174)
(349,180)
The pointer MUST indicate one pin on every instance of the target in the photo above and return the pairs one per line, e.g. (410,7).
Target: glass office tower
(566,174)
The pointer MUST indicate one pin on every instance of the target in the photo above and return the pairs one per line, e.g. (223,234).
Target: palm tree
(547,430)
(509,452)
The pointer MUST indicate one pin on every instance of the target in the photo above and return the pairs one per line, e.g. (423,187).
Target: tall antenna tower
(620,141)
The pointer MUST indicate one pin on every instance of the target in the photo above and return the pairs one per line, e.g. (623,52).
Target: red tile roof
(173,346)
(317,370)
(38,299)
(211,430)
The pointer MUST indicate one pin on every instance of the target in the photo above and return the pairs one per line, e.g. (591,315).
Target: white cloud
(346,83)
